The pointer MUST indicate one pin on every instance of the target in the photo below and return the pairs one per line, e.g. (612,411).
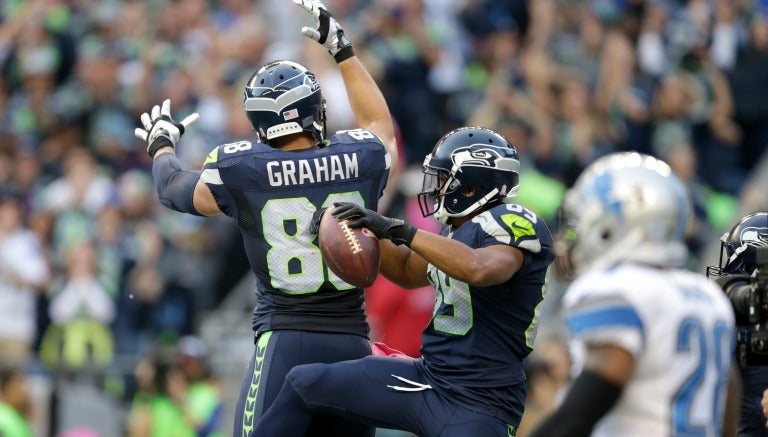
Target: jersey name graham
(273,194)
(311,171)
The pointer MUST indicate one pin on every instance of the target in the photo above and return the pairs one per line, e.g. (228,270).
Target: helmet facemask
(437,184)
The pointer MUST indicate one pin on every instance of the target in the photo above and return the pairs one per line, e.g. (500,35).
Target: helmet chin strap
(324,119)
(736,253)
(483,200)
(321,129)
(442,215)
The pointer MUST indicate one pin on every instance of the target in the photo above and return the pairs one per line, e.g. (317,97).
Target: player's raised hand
(160,129)
(328,31)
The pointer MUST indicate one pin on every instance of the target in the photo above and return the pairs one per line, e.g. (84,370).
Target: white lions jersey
(679,326)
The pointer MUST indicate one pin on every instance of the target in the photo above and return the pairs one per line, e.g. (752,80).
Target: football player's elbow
(484,275)
(405,276)
(407,282)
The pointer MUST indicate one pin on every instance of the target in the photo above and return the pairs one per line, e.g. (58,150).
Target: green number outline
(454,294)
(301,246)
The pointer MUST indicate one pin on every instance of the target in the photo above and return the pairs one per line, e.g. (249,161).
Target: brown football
(352,254)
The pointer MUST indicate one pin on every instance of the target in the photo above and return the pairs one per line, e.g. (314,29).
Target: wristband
(344,53)
(158,144)
(402,234)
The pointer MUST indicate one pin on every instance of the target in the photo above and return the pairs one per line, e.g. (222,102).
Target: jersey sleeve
(599,315)
(518,227)
(375,157)
(212,177)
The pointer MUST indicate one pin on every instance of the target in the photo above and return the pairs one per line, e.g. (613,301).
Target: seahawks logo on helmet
(754,236)
(736,245)
(485,157)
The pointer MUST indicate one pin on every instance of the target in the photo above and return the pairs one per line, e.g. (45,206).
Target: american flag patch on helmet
(291,114)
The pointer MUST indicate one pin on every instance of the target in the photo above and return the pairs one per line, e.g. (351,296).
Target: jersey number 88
(298,247)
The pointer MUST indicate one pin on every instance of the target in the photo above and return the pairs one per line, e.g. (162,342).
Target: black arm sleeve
(175,186)
(589,398)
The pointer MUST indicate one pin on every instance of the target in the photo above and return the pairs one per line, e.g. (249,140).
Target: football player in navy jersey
(738,256)
(488,269)
(273,186)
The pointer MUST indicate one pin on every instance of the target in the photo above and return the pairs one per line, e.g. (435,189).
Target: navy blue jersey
(469,381)
(273,194)
(479,336)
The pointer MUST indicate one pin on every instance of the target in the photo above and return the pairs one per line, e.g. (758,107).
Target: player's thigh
(467,423)
(276,353)
(291,348)
(324,425)
(365,391)
(252,401)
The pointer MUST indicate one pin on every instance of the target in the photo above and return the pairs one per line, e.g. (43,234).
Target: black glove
(384,227)
(328,32)
(315,225)
(160,130)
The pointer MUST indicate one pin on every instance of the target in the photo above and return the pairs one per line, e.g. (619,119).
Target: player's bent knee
(305,376)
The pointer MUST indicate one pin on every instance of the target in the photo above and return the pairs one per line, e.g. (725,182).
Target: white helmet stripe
(283,100)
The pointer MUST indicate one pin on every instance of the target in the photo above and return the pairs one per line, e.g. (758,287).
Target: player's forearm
(175,186)
(402,266)
(365,97)
(367,103)
(589,398)
(458,260)
(164,150)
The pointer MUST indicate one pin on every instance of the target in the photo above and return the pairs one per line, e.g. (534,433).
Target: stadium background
(565,80)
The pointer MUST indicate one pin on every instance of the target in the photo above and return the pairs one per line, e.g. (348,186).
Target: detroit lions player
(657,341)
(272,187)
(487,266)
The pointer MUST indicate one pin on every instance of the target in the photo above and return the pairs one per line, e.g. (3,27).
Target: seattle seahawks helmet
(625,206)
(468,168)
(737,247)
(284,98)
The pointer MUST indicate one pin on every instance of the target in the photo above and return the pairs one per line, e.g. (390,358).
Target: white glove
(328,32)
(160,129)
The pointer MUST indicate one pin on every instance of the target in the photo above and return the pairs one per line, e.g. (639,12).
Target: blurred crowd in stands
(92,268)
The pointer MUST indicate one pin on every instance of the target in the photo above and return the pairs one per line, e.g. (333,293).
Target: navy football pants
(275,354)
(381,391)
(754,380)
